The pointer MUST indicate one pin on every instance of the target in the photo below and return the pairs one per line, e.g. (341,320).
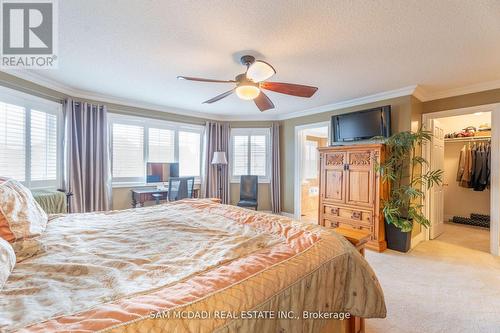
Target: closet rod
(465,139)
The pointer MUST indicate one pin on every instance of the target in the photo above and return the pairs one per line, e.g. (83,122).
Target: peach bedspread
(127,270)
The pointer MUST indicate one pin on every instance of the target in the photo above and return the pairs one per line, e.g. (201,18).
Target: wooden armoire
(351,191)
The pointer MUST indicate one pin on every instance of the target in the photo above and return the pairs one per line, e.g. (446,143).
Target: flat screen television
(161,172)
(361,125)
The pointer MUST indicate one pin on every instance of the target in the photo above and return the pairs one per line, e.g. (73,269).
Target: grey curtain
(275,168)
(88,171)
(217,139)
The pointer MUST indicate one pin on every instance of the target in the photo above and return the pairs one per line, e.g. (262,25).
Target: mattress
(187,266)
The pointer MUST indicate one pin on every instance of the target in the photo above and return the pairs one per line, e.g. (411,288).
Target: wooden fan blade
(289,88)
(263,102)
(219,97)
(189,78)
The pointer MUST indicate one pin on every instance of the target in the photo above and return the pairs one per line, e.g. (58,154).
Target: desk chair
(248,191)
(180,188)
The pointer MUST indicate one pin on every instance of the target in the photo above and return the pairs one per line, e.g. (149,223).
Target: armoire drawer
(357,216)
(330,223)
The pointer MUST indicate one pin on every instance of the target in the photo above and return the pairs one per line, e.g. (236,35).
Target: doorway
(461,211)
(308,139)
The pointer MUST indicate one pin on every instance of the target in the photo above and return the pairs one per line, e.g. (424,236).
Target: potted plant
(403,169)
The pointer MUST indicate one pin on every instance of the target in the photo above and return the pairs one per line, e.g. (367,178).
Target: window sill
(265,181)
(134,185)
(125,185)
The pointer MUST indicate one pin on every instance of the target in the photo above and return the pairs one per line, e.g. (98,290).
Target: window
(189,153)
(250,153)
(161,145)
(311,158)
(128,152)
(30,139)
(13,141)
(136,141)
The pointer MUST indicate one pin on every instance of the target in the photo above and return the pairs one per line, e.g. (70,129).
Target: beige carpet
(443,285)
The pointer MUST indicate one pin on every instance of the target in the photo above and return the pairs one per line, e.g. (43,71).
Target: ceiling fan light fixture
(247,92)
(260,71)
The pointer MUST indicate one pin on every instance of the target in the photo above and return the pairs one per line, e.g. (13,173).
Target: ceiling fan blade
(189,78)
(260,71)
(289,88)
(219,97)
(263,102)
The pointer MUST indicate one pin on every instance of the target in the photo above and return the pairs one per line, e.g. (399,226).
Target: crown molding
(425,95)
(87,95)
(406,91)
(79,93)
(418,91)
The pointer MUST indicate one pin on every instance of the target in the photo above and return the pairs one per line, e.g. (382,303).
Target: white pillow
(22,216)
(7,261)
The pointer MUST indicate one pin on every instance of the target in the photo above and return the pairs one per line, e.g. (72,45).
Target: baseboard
(448,218)
(288,215)
(418,239)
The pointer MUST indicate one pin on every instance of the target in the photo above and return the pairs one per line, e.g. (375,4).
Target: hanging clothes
(474,166)
(488,165)
(480,172)
(461,164)
(465,166)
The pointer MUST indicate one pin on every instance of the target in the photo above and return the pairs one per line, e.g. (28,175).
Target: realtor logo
(28,33)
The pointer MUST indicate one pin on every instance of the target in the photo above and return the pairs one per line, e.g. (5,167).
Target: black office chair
(180,188)
(249,191)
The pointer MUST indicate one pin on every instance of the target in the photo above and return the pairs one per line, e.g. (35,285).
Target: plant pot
(397,239)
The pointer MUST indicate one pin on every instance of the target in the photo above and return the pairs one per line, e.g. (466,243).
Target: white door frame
(298,163)
(495,167)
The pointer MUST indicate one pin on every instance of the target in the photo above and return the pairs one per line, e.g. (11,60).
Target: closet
(467,163)
(467,199)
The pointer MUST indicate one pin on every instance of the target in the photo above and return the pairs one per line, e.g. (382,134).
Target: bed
(188,266)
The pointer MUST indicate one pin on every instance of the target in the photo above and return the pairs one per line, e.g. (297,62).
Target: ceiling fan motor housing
(247,60)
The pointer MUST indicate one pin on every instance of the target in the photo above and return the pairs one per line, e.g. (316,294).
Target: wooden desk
(142,195)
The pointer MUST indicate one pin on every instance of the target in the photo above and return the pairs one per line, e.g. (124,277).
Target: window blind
(250,153)
(137,140)
(43,137)
(161,145)
(258,155)
(128,151)
(13,141)
(240,155)
(189,154)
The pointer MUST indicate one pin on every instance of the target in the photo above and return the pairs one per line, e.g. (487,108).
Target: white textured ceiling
(134,49)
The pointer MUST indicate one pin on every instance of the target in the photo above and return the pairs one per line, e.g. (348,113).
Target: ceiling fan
(249,85)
